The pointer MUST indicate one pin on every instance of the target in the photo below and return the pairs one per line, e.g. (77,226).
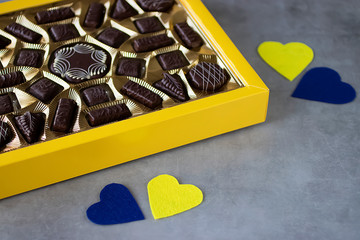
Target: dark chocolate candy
(63,32)
(113,37)
(152,43)
(78,62)
(54,15)
(30,58)
(122,10)
(6,105)
(208,77)
(45,90)
(31,125)
(190,38)
(11,79)
(133,67)
(141,94)
(173,86)
(156,5)
(95,15)
(6,134)
(149,25)
(108,114)
(95,95)
(23,33)
(64,116)
(4,42)
(172,60)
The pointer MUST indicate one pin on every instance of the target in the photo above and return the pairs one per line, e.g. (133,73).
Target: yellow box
(49,162)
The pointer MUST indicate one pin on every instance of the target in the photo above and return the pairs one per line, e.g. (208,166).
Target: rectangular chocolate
(133,67)
(108,114)
(23,33)
(6,105)
(54,15)
(45,90)
(30,58)
(95,95)
(172,60)
(152,43)
(4,42)
(112,37)
(95,15)
(149,25)
(63,32)
(11,79)
(64,116)
(141,94)
(190,38)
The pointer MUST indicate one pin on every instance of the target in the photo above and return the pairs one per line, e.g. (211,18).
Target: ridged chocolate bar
(23,33)
(108,114)
(6,105)
(190,38)
(64,116)
(95,15)
(11,79)
(54,15)
(152,43)
(141,94)
(173,86)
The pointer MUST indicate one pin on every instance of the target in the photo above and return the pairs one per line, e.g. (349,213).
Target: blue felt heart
(117,205)
(324,85)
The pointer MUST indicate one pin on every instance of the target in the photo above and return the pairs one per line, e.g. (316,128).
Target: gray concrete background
(295,177)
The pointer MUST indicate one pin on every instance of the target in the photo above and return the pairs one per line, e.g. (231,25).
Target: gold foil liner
(113,82)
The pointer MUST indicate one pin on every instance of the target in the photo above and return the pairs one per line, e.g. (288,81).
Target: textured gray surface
(295,177)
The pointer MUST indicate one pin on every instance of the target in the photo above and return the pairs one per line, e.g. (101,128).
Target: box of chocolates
(90,84)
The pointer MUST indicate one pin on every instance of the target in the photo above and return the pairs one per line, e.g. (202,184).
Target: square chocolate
(6,105)
(133,67)
(4,42)
(172,60)
(11,79)
(95,95)
(45,90)
(30,57)
(63,32)
(112,37)
(149,25)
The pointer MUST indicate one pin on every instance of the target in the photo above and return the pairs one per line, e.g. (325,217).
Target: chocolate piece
(6,134)
(113,37)
(172,60)
(155,5)
(173,86)
(122,10)
(149,25)
(95,15)
(11,79)
(31,125)
(190,38)
(95,95)
(30,58)
(6,105)
(45,90)
(23,33)
(133,67)
(63,32)
(109,114)
(64,116)
(54,15)
(4,42)
(152,43)
(78,62)
(141,94)
(208,77)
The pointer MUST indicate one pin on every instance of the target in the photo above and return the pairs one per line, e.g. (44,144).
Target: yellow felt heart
(289,60)
(167,197)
